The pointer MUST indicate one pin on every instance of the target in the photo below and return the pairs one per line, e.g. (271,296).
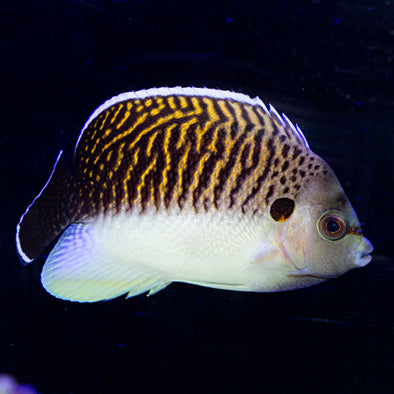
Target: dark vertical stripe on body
(158,170)
(209,165)
(244,114)
(188,174)
(234,130)
(275,127)
(226,170)
(261,118)
(113,175)
(269,194)
(173,174)
(261,178)
(247,170)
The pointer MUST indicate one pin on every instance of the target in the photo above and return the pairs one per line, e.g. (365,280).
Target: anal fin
(153,285)
(80,268)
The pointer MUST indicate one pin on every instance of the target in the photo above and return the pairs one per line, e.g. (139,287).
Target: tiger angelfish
(191,185)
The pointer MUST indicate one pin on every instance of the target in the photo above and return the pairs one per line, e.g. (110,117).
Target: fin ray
(78,269)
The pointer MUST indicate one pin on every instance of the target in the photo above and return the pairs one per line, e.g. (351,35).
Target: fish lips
(365,257)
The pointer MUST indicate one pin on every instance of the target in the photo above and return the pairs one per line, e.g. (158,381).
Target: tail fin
(48,214)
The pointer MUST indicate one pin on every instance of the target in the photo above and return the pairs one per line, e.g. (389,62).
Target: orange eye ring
(332,226)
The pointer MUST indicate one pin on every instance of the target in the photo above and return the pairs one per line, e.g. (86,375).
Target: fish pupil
(333,226)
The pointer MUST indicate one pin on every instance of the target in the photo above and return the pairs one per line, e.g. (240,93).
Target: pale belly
(194,248)
(129,253)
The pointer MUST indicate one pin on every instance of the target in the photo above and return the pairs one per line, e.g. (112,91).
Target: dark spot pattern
(281,209)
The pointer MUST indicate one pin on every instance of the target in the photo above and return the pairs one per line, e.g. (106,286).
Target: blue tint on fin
(80,269)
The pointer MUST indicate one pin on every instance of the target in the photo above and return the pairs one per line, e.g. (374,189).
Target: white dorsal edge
(189,91)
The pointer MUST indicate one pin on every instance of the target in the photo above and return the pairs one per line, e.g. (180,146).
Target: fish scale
(179,164)
(190,185)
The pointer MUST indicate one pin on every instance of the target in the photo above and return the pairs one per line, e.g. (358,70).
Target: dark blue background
(328,65)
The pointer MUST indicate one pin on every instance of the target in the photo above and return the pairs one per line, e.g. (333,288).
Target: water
(328,66)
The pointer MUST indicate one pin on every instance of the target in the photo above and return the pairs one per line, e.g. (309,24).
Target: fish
(192,185)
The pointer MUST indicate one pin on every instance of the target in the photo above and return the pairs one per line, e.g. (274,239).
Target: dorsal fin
(289,126)
(48,214)
(200,92)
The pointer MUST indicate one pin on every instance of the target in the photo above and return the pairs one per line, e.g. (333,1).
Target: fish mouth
(365,256)
(364,260)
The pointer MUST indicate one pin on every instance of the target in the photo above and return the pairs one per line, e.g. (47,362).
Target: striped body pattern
(190,150)
(193,185)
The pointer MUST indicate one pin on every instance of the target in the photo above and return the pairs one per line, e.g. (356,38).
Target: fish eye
(332,226)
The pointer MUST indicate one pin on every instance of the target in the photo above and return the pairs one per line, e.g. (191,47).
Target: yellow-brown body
(192,185)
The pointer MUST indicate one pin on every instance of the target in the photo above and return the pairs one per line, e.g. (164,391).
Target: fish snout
(364,256)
